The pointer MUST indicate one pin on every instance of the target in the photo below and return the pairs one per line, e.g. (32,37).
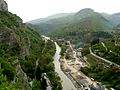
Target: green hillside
(47,25)
(113,18)
(80,28)
(74,27)
(20,49)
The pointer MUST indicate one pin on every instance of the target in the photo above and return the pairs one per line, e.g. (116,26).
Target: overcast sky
(33,9)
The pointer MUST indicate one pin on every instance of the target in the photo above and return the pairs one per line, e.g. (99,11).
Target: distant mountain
(75,25)
(117,28)
(81,27)
(52,23)
(85,11)
(48,24)
(105,15)
(115,19)
(43,20)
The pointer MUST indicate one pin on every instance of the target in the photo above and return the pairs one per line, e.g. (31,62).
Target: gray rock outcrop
(3,6)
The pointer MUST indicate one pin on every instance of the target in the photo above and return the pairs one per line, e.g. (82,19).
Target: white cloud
(32,9)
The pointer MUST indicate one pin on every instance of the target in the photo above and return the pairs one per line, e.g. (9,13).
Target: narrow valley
(64,51)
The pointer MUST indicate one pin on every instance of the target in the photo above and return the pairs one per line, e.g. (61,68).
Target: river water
(66,82)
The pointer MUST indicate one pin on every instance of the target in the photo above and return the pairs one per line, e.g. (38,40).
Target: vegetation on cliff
(24,56)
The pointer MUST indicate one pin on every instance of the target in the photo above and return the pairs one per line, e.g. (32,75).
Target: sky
(33,9)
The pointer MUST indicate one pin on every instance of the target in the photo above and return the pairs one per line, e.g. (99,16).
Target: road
(66,82)
(74,67)
(103,58)
(104,46)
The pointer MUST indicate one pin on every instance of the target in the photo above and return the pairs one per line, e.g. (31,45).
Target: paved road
(103,58)
(66,82)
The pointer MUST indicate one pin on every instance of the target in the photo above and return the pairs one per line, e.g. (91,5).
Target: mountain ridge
(85,20)
(85,11)
(55,16)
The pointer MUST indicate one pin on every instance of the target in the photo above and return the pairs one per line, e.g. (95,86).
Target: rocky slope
(3,5)
(20,49)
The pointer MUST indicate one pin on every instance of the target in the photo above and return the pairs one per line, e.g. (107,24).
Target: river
(66,82)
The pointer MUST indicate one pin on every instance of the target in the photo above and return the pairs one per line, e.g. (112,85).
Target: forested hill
(48,25)
(75,26)
(84,22)
(24,55)
(59,21)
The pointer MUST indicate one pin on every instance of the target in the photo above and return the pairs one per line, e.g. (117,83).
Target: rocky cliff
(20,49)
(3,5)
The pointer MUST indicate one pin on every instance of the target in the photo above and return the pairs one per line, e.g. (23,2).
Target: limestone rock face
(3,6)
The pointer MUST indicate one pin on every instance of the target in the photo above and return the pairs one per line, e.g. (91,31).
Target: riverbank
(66,82)
(66,72)
(71,63)
(77,77)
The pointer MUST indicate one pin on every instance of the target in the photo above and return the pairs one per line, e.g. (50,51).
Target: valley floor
(71,67)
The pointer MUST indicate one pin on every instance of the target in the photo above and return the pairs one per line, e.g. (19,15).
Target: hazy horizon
(33,9)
